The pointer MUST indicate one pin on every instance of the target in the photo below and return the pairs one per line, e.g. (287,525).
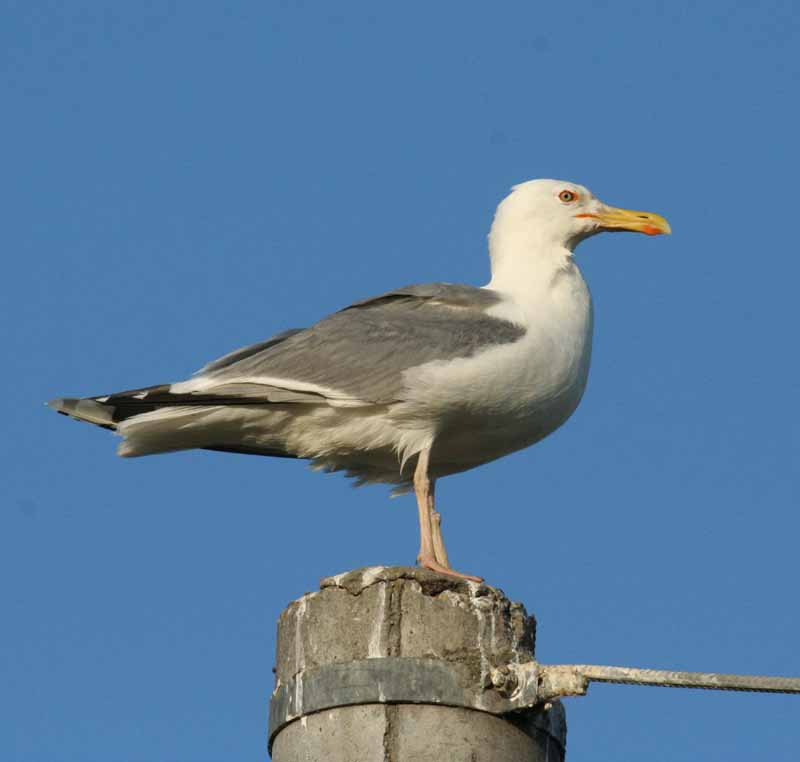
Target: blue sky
(180,179)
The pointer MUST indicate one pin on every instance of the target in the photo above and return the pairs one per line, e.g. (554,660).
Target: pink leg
(439,550)
(430,537)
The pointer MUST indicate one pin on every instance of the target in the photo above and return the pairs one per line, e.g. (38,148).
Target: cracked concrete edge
(373,600)
(431,583)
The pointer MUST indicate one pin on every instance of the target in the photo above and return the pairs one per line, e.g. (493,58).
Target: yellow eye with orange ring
(567,196)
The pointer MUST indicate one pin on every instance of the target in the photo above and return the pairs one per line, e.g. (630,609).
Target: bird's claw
(435,566)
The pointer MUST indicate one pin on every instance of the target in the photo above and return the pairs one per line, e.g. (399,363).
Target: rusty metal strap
(401,679)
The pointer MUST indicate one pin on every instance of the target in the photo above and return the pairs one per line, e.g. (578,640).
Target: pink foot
(432,564)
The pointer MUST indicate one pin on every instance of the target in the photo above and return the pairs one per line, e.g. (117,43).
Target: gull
(409,386)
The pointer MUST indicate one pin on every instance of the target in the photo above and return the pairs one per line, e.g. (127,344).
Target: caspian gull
(410,386)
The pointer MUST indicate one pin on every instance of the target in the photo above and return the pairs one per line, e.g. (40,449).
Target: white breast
(512,395)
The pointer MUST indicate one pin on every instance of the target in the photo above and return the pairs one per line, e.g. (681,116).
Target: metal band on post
(389,680)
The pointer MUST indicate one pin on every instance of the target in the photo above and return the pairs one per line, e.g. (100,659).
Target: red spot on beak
(651,230)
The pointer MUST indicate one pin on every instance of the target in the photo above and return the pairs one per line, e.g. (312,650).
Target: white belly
(512,395)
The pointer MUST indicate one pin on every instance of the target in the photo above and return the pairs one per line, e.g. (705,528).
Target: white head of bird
(549,218)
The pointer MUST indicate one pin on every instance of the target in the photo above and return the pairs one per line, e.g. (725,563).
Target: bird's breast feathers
(532,384)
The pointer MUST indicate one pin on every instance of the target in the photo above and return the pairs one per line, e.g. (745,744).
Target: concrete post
(394,665)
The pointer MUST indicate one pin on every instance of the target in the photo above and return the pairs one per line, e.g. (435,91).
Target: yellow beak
(625,219)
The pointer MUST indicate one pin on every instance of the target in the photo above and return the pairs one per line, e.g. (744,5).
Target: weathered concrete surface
(379,612)
(411,733)
(347,734)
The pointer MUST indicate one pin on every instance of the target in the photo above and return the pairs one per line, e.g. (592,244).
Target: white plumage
(410,386)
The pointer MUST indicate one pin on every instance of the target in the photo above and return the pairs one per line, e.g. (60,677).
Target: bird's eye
(568,196)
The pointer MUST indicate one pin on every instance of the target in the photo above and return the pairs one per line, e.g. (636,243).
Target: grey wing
(359,354)
(244,352)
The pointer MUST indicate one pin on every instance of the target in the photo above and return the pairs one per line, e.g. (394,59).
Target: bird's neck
(525,261)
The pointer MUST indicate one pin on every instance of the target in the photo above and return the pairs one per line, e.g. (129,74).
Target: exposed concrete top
(403,611)
(404,635)
(430,582)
